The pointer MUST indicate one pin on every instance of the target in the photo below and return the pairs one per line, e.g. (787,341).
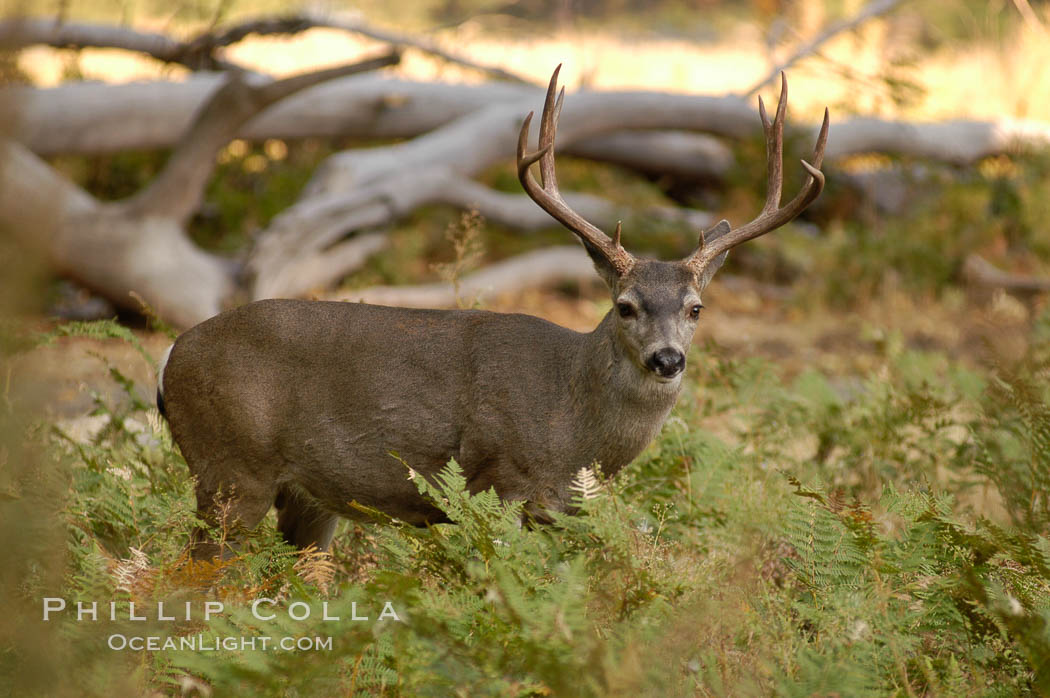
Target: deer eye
(694,312)
(625,309)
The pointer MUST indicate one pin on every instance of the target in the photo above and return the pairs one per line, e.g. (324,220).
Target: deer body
(313,406)
(283,427)
(427,385)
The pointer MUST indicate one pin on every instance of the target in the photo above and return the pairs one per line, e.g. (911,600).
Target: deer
(315,407)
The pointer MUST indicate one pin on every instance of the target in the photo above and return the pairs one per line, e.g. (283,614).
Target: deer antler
(548,196)
(773,215)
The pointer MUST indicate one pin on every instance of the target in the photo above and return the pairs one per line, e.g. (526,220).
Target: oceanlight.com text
(229,643)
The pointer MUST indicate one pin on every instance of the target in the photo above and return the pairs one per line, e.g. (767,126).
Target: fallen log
(97,118)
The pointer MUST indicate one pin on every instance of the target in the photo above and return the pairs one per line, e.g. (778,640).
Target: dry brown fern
(316,567)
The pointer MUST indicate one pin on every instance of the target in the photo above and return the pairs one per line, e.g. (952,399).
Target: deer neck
(619,405)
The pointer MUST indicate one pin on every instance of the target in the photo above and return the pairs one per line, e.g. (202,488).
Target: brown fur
(303,403)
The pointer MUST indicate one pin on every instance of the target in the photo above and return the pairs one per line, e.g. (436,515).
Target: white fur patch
(160,368)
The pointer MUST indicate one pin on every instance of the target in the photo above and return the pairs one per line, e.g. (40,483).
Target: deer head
(657,304)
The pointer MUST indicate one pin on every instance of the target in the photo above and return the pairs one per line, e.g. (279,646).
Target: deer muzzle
(667,362)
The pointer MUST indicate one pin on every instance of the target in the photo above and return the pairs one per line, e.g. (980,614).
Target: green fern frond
(97,329)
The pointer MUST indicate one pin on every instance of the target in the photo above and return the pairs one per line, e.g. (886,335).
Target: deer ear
(721,228)
(709,271)
(602,265)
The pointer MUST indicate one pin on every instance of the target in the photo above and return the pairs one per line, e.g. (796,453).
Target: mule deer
(300,404)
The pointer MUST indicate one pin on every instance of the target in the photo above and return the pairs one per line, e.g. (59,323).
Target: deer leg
(228,512)
(303,522)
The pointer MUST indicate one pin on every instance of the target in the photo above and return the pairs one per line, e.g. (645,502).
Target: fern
(315,567)
(828,553)
(1013,447)
(97,329)
(698,570)
(585,484)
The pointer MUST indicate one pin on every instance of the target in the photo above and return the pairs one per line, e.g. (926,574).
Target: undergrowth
(812,536)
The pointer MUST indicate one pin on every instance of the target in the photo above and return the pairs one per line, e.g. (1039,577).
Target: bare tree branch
(199,53)
(305,274)
(306,232)
(537,268)
(177,191)
(547,266)
(85,118)
(103,248)
(91,118)
(1030,17)
(977,270)
(361,189)
(959,142)
(298,23)
(680,153)
(30,184)
(140,244)
(872,9)
(19,33)
(476,140)
(457,131)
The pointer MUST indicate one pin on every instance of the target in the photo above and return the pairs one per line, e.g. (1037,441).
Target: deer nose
(666,362)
